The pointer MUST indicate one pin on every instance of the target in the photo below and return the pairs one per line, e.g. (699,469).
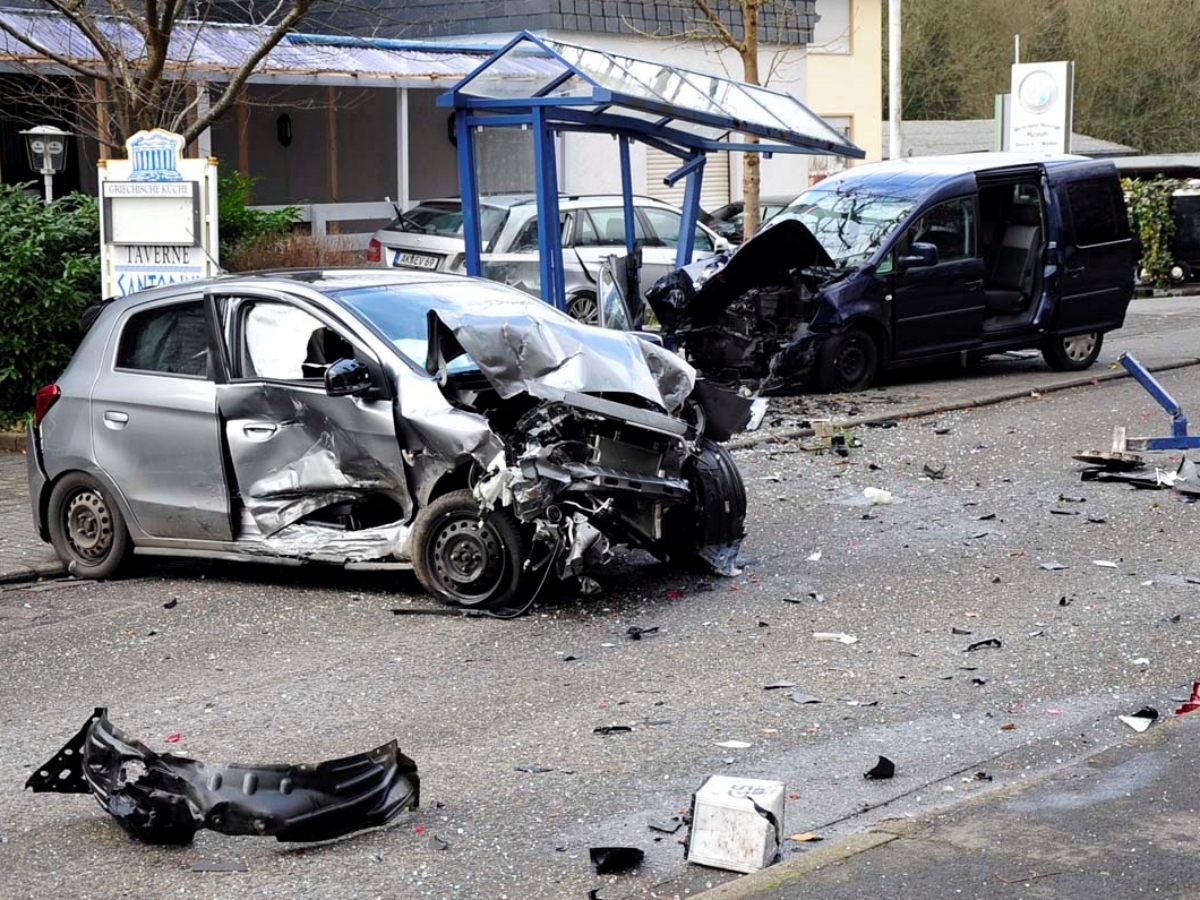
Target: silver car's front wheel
(86,527)
(585,308)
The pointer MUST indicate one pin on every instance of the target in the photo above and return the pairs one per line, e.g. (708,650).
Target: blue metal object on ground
(672,109)
(1179,439)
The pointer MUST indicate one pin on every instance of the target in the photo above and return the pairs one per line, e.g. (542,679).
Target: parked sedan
(380,419)
(728,221)
(430,236)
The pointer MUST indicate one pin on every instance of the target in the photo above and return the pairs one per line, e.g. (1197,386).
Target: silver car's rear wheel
(585,308)
(86,527)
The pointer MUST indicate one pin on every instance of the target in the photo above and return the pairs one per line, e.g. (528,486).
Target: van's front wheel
(847,362)
(1074,353)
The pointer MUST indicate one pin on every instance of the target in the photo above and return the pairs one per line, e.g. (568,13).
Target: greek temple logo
(155,155)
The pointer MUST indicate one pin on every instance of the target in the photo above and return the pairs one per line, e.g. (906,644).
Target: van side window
(168,340)
(950,227)
(1097,211)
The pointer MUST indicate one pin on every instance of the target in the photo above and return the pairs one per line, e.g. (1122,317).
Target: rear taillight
(374,251)
(42,401)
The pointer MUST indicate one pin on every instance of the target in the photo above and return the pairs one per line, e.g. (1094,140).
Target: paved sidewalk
(23,556)
(1122,823)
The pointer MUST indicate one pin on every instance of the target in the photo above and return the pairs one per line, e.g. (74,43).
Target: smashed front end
(607,439)
(746,316)
(166,799)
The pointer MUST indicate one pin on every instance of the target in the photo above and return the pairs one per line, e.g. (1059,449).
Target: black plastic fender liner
(166,799)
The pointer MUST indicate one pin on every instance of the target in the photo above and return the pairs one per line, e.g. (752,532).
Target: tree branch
(722,31)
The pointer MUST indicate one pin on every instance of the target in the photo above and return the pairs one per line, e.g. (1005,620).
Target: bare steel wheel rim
(851,361)
(585,308)
(1079,347)
(468,559)
(89,526)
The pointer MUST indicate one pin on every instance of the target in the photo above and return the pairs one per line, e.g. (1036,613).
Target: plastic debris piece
(668,826)
(531,769)
(957,630)
(813,595)
(979,681)
(1052,566)
(803,698)
(815,556)
(612,729)
(1064,512)
(437,842)
(676,594)
(987,518)
(1054,712)
(1063,498)
(806,837)
(1096,520)
(1193,703)
(1064,600)
(935,473)
(636,633)
(1105,564)
(989,644)
(172,603)
(1008,726)
(835,636)
(885,768)
(173,738)
(877,496)
(734,745)
(1140,661)
(941,431)
(790,599)
(614,860)
(778,685)
(1173,620)
(219,865)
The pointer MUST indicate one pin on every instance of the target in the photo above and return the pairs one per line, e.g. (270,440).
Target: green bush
(49,271)
(242,228)
(1151,220)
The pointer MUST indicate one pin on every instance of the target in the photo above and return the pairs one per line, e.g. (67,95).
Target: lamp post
(47,146)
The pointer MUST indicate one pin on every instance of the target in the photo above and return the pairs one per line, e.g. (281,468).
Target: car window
(282,342)
(526,240)
(1097,211)
(950,227)
(605,227)
(446,220)
(665,224)
(170,340)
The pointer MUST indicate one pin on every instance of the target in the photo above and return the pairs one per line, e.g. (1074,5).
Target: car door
(294,448)
(939,308)
(155,429)
(600,233)
(1097,278)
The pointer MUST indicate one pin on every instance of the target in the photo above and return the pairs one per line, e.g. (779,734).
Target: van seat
(1010,287)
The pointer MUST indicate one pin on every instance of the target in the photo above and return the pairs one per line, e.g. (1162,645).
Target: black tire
(716,516)
(1074,353)
(583,306)
(466,559)
(847,362)
(87,528)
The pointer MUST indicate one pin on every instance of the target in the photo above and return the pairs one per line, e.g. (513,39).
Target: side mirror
(347,378)
(920,256)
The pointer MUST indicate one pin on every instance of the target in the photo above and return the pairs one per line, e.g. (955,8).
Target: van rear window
(1098,211)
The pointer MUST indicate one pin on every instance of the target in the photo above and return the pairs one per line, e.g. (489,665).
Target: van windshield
(850,226)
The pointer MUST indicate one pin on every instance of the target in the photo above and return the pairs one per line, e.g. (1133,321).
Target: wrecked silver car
(380,420)
(161,798)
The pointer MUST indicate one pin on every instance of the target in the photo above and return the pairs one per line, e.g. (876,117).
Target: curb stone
(931,409)
(12,442)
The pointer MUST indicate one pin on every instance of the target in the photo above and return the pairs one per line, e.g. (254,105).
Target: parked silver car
(429,236)
(379,419)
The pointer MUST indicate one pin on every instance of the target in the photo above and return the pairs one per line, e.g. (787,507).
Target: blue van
(913,261)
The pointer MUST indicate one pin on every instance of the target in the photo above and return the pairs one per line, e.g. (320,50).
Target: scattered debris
(437,842)
(670,826)
(956,630)
(885,768)
(935,473)
(615,860)
(806,837)
(612,729)
(1105,564)
(940,431)
(990,643)
(1063,498)
(734,745)
(1142,719)
(172,603)
(979,681)
(835,636)
(981,776)
(219,865)
(737,823)
(815,556)
(987,518)
(1064,512)
(531,769)
(1008,726)
(1192,703)
(173,797)
(173,738)
(778,685)
(1052,566)
(877,496)
(1064,600)
(804,699)
(636,633)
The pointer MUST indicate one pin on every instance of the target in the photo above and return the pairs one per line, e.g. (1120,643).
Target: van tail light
(42,401)
(374,251)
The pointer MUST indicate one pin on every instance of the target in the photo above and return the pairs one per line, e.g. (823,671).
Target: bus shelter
(684,113)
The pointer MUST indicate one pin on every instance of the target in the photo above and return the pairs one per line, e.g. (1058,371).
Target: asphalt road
(269,665)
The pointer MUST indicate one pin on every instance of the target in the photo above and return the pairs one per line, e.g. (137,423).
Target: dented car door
(294,448)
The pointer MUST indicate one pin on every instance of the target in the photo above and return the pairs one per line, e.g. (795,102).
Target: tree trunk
(751,177)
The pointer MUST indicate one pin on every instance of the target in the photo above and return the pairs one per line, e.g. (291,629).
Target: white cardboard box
(737,823)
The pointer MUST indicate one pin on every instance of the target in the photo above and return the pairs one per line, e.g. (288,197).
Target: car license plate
(416,261)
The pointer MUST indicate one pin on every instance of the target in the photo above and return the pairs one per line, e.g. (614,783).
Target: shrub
(291,251)
(1153,225)
(49,271)
(241,226)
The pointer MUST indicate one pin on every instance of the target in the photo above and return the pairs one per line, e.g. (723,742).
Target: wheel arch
(114,492)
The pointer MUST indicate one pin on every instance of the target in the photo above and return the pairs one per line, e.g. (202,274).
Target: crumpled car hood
(696,295)
(527,354)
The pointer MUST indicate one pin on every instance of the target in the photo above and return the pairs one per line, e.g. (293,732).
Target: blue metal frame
(1180,439)
(547,115)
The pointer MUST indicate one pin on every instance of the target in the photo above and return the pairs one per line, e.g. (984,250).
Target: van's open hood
(527,353)
(696,295)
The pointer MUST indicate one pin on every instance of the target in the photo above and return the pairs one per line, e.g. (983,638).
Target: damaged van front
(908,262)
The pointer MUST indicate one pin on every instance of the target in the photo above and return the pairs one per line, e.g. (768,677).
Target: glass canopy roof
(590,89)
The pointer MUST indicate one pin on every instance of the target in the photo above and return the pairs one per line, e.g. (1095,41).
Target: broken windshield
(850,226)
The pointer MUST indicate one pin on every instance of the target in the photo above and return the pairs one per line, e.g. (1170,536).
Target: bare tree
(139,70)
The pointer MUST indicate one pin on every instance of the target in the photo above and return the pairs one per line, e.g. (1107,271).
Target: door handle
(259,431)
(1075,271)
(115,419)
(973,285)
